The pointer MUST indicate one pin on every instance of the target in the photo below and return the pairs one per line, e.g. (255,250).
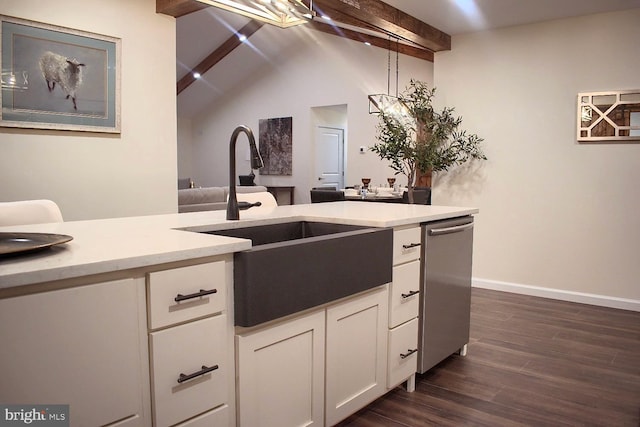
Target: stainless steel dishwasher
(445,290)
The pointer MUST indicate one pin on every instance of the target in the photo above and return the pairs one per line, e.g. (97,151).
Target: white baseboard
(559,294)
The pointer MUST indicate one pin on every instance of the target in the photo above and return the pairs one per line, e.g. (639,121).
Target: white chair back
(29,212)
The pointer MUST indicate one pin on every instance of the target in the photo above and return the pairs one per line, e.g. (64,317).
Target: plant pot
(423,179)
(421,196)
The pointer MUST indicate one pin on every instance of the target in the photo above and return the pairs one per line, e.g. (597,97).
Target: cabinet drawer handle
(410,245)
(408,353)
(203,371)
(410,294)
(202,293)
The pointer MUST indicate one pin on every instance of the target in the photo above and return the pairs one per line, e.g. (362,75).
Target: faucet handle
(246,205)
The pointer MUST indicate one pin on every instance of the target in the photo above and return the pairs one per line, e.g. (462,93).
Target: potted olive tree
(420,140)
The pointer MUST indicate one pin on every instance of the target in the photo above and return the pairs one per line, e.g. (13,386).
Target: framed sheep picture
(58,78)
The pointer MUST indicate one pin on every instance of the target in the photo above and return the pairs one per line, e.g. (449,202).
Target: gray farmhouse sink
(299,265)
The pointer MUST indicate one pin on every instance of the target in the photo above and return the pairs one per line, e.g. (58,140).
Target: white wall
(185,151)
(553,213)
(315,70)
(93,175)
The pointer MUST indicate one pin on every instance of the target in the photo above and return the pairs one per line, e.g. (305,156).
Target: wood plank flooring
(531,362)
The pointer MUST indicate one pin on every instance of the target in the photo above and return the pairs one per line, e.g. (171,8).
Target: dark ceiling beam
(343,18)
(388,19)
(177,8)
(425,54)
(216,56)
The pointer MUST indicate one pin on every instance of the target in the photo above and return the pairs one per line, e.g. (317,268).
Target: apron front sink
(299,265)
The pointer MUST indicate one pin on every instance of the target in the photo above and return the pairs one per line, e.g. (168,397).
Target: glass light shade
(282,13)
(390,105)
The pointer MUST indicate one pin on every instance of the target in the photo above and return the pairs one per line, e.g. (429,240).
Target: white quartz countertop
(102,246)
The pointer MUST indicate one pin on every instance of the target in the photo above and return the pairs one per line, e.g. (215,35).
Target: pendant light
(386,103)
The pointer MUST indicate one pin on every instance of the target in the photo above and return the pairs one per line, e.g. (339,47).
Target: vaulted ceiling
(421,27)
(366,17)
(371,21)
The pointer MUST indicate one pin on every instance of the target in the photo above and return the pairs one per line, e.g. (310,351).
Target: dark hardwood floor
(531,362)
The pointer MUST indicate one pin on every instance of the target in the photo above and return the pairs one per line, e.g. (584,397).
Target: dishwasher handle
(448,230)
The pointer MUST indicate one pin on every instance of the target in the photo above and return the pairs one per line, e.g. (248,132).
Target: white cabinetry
(356,354)
(403,341)
(187,350)
(185,293)
(404,307)
(191,345)
(283,374)
(80,346)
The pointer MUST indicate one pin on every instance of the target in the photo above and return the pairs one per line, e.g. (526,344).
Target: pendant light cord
(389,68)
(389,65)
(397,64)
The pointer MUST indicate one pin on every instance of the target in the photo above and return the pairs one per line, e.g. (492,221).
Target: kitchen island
(129,307)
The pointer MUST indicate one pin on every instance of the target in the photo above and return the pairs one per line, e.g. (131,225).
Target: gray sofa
(209,198)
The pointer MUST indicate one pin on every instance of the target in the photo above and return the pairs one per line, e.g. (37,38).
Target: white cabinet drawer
(218,417)
(403,356)
(406,244)
(404,298)
(188,349)
(186,284)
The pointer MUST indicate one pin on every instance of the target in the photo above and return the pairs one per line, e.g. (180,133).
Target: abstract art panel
(275,141)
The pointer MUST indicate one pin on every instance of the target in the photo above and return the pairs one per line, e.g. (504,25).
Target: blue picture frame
(58,78)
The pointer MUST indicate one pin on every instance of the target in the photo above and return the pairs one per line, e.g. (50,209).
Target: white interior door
(329,168)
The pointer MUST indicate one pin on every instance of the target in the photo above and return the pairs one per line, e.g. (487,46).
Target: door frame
(342,149)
